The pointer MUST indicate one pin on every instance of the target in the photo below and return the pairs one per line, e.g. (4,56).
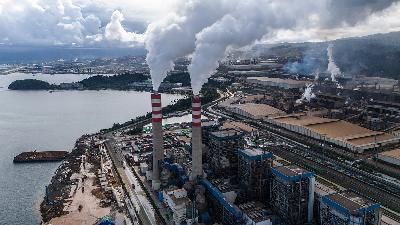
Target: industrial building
(292,194)
(392,157)
(255,111)
(348,208)
(207,127)
(254,169)
(253,214)
(338,132)
(320,191)
(329,101)
(178,202)
(380,108)
(239,126)
(224,145)
(278,82)
(219,199)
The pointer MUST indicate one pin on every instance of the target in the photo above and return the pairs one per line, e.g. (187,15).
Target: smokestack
(197,166)
(158,143)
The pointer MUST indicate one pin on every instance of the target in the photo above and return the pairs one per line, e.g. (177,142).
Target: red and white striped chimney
(197,164)
(158,143)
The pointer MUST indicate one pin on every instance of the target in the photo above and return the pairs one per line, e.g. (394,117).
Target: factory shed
(392,157)
(255,111)
(278,82)
(338,132)
(239,126)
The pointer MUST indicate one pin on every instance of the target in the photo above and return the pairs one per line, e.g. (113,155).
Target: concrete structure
(197,152)
(223,148)
(348,208)
(178,202)
(278,82)
(391,109)
(223,210)
(329,101)
(293,194)
(320,191)
(338,132)
(392,157)
(254,215)
(158,143)
(255,111)
(254,169)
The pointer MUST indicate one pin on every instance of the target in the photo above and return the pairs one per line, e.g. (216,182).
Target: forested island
(126,81)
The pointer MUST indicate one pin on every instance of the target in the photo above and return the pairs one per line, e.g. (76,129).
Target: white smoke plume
(307,95)
(248,22)
(308,91)
(174,37)
(333,69)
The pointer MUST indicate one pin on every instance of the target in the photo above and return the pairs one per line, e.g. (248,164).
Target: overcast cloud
(118,22)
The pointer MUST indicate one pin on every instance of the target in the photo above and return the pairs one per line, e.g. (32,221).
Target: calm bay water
(51,121)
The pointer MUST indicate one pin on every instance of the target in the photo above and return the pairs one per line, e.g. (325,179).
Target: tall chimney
(197,167)
(158,143)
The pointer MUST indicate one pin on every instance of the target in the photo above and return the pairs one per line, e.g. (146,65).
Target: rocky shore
(57,192)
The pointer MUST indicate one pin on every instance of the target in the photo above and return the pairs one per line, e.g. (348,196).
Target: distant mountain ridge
(39,54)
(373,55)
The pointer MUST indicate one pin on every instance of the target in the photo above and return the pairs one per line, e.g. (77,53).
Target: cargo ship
(45,156)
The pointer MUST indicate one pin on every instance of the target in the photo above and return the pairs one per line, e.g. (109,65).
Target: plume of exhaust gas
(307,95)
(333,69)
(174,37)
(251,21)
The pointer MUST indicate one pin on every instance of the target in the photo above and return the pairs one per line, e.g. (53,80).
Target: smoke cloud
(174,37)
(249,23)
(307,95)
(333,69)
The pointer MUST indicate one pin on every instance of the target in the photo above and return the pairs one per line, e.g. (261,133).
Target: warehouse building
(338,132)
(392,157)
(239,126)
(293,194)
(278,82)
(348,208)
(255,111)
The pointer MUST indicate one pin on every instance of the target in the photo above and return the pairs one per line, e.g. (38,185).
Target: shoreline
(61,183)
(75,194)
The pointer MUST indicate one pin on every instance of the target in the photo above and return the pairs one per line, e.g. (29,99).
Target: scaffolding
(292,194)
(254,170)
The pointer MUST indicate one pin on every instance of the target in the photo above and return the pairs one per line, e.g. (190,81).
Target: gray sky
(121,22)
